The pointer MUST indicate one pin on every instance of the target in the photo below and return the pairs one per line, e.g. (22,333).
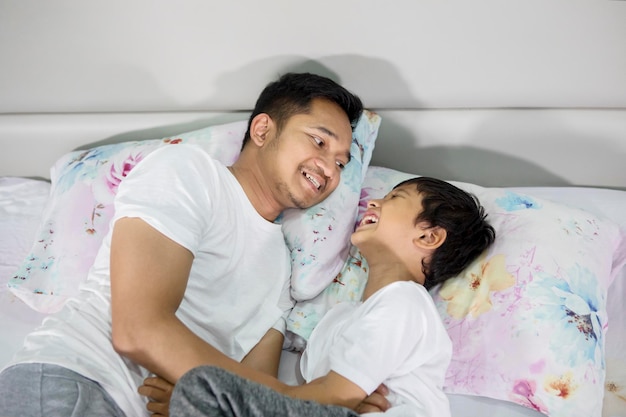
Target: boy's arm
(329,389)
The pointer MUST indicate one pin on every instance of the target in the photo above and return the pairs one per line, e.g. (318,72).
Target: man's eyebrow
(332,134)
(326,131)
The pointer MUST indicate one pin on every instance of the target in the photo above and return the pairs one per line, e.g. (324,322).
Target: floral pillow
(528,319)
(84,183)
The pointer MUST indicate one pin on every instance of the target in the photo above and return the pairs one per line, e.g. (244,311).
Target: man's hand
(158,391)
(375,402)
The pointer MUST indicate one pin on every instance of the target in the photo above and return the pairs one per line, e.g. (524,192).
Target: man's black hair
(293,93)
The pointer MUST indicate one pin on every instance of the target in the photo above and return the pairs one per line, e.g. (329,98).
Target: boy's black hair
(293,93)
(463,218)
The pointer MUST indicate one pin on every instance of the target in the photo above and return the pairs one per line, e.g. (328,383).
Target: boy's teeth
(369,220)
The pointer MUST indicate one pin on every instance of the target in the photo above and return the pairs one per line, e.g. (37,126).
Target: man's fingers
(382,389)
(158,383)
(157,394)
(375,402)
(146,391)
(157,408)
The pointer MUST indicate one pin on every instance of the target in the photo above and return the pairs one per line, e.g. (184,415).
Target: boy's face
(305,160)
(389,223)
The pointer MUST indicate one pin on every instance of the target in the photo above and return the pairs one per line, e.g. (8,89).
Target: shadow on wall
(507,147)
(197,120)
(410,149)
(357,73)
(405,147)
(376,81)
(473,165)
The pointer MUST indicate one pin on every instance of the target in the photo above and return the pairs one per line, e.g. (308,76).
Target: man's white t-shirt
(395,337)
(238,287)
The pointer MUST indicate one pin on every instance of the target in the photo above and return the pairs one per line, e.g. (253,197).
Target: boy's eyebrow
(332,134)
(400,190)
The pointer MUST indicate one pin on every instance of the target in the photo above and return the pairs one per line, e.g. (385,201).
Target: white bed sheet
(22,202)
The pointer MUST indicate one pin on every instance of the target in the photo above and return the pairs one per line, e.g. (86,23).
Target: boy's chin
(354,238)
(359,240)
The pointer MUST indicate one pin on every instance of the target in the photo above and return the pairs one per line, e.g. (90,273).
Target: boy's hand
(158,391)
(375,402)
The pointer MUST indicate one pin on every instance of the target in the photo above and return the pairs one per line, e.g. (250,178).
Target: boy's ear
(259,127)
(430,238)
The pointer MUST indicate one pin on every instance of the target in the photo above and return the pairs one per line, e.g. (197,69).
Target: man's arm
(149,274)
(265,356)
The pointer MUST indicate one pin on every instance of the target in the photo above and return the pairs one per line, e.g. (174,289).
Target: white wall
(163,55)
(75,72)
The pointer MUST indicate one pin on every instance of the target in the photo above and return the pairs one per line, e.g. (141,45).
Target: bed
(512,102)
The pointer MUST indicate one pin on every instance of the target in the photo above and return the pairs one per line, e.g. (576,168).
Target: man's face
(305,160)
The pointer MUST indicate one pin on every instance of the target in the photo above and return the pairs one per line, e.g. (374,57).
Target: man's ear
(430,237)
(259,127)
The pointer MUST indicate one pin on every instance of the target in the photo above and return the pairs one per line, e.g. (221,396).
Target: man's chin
(305,203)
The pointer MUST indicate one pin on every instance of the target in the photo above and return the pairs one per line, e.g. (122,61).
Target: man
(194,270)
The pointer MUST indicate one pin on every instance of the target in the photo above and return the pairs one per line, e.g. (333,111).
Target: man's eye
(341,165)
(318,140)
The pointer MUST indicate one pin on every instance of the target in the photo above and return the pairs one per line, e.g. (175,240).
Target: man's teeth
(313,180)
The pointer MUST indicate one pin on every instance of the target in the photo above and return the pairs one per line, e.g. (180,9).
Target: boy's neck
(381,275)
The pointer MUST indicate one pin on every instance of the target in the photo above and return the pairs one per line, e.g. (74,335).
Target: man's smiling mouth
(313,181)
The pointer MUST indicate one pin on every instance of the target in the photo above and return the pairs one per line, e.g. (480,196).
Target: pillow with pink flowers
(80,206)
(528,319)
(84,183)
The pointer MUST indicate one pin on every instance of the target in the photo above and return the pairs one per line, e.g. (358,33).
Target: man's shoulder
(176,167)
(185,151)
(184,159)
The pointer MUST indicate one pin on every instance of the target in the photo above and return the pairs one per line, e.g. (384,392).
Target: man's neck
(257,191)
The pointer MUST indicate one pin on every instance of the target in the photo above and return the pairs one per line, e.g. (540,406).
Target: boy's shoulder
(399,294)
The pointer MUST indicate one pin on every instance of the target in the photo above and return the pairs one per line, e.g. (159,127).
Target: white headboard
(497,93)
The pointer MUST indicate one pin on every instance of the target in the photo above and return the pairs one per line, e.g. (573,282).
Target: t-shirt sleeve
(168,190)
(377,344)
(285,303)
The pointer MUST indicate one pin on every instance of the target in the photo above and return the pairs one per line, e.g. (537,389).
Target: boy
(422,233)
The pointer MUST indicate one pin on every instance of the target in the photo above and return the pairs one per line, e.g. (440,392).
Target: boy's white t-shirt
(238,287)
(395,337)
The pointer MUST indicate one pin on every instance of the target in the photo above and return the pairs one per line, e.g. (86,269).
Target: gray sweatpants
(41,390)
(208,391)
